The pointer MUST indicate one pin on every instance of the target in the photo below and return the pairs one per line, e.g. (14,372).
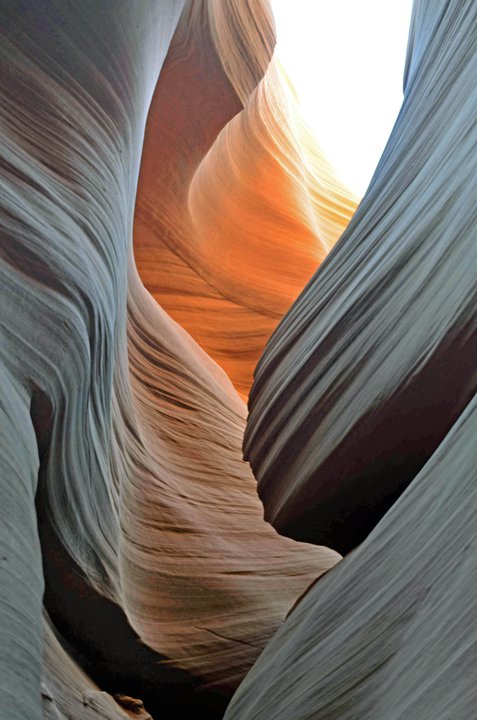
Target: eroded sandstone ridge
(368,387)
(232,218)
(124,494)
(389,634)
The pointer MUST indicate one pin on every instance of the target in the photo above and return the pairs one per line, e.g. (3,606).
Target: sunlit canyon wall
(236,204)
(138,577)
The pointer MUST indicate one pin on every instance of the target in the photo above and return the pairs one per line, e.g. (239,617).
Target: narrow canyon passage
(186,281)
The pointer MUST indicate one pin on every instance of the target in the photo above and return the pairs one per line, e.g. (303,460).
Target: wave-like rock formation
(138,577)
(364,416)
(377,358)
(390,633)
(124,496)
(236,208)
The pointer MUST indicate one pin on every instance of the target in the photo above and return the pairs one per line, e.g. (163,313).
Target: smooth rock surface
(124,494)
(377,358)
(236,206)
(388,634)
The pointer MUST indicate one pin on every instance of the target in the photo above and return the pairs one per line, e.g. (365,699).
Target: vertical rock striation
(72,117)
(138,577)
(363,421)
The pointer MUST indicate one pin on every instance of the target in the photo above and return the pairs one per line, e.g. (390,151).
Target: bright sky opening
(346,61)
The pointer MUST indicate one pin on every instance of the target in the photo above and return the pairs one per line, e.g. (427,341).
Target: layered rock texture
(390,633)
(377,358)
(368,387)
(138,577)
(125,499)
(236,206)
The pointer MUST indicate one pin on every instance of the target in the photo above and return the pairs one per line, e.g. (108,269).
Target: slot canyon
(238,403)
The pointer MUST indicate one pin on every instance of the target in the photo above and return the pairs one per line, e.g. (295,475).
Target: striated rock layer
(69,694)
(236,208)
(137,575)
(377,358)
(389,634)
(124,496)
(363,418)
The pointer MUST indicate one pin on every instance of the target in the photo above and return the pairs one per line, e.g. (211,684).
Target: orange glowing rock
(236,204)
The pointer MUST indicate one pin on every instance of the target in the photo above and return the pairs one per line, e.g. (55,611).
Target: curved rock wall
(368,387)
(389,633)
(126,508)
(72,115)
(376,359)
(124,495)
(236,207)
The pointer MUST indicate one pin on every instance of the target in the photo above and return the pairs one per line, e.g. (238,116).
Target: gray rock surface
(123,492)
(389,633)
(376,359)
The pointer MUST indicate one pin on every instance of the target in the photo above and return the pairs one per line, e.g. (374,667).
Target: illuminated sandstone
(376,360)
(236,208)
(126,508)
(125,497)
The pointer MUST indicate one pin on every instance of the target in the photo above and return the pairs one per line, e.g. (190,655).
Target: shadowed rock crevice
(100,639)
